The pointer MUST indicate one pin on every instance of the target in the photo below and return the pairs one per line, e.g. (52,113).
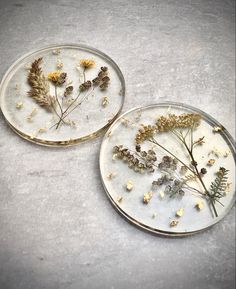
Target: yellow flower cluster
(145,132)
(57,77)
(87,63)
(167,123)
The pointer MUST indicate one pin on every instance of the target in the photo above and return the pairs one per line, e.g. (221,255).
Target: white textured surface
(57,227)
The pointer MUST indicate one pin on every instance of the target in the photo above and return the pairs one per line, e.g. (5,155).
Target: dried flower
(175,188)
(57,77)
(85,86)
(162,180)
(87,63)
(68,90)
(139,163)
(168,164)
(203,171)
(147,197)
(144,133)
(102,79)
(39,85)
(173,121)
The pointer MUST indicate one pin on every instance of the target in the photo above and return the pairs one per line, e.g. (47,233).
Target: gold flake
(111,175)
(119,199)
(211,162)
(105,101)
(162,194)
(56,51)
(174,223)
(180,212)
(129,186)
(147,197)
(42,130)
(19,105)
(199,205)
(32,114)
(217,129)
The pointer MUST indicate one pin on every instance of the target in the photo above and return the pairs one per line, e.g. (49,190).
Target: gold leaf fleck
(147,197)
(180,212)
(129,186)
(19,105)
(174,223)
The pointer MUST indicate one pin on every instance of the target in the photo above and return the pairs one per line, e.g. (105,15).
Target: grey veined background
(57,227)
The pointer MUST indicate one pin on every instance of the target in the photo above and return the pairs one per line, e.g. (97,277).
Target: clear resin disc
(62,94)
(155,184)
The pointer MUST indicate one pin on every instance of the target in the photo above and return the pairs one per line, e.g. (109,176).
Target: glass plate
(177,207)
(92,107)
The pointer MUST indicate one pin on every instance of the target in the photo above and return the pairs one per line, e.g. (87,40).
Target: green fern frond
(218,186)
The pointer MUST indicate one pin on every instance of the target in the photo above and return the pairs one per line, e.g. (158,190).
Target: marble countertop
(57,227)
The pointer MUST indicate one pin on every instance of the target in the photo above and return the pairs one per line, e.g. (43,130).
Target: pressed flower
(87,63)
(57,77)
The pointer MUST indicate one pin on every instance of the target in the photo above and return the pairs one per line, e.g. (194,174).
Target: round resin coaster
(169,168)
(62,94)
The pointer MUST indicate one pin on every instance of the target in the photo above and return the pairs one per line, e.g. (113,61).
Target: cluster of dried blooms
(167,123)
(175,185)
(139,161)
(40,89)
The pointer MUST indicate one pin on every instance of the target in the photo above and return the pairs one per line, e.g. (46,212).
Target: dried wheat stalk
(39,85)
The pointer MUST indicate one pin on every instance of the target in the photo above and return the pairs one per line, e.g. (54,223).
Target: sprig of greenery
(218,186)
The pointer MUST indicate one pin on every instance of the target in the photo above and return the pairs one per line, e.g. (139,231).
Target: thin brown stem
(57,98)
(194,163)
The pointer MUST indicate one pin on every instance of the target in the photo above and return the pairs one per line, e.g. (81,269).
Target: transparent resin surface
(80,108)
(157,207)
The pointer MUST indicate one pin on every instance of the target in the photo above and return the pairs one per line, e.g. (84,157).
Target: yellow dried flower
(175,121)
(57,77)
(87,63)
(167,123)
(144,133)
